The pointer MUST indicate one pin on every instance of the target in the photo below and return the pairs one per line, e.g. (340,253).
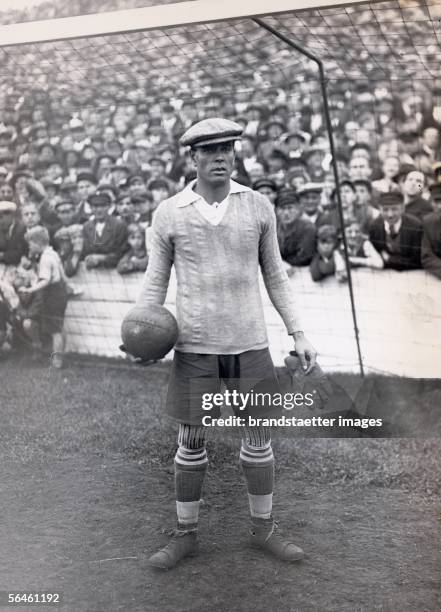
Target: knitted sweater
(219,306)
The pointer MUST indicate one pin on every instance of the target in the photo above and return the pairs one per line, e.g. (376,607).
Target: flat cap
(390,198)
(100,199)
(211,131)
(327,232)
(6,206)
(310,188)
(286,197)
(264,182)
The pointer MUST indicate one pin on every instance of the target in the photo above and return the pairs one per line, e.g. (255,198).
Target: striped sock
(258,468)
(190,466)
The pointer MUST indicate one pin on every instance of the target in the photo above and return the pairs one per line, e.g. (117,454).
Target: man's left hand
(306,352)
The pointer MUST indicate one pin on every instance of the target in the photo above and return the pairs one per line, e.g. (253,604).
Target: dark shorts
(195,375)
(53,309)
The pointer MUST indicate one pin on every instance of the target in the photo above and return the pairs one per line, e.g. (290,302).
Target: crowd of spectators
(91,159)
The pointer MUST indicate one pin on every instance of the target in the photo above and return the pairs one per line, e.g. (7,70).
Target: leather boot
(183,544)
(263,536)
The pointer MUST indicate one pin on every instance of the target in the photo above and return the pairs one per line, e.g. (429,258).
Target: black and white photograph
(220,305)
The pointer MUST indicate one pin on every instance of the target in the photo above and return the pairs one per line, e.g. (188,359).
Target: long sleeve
(157,275)
(274,274)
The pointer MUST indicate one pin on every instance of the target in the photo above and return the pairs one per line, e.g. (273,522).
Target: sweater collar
(188,196)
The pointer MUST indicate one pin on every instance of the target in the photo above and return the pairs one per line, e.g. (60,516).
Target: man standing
(217,233)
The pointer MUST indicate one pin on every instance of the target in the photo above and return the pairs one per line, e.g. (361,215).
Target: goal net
(99,102)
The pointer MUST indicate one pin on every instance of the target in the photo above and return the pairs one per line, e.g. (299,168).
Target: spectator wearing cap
(86,186)
(296,235)
(412,186)
(143,208)
(105,237)
(431,243)
(310,196)
(364,211)
(136,258)
(218,234)
(296,176)
(119,173)
(66,212)
(136,183)
(314,156)
(268,188)
(277,162)
(294,144)
(160,190)
(396,235)
(326,259)
(12,235)
(125,210)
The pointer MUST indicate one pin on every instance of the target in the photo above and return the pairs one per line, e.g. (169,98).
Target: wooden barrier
(399,318)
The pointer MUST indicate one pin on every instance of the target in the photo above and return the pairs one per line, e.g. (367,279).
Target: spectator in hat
(86,186)
(396,235)
(296,235)
(268,187)
(412,186)
(310,196)
(136,258)
(66,212)
(143,208)
(348,197)
(105,237)
(314,156)
(12,235)
(431,243)
(160,190)
(323,263)
(125,210)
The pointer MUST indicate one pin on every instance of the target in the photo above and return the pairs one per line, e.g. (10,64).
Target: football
(149,332)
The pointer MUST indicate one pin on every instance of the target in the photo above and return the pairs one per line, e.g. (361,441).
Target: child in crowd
(136,259)
(327,261)
(29,310)
(361,251)
(51,283)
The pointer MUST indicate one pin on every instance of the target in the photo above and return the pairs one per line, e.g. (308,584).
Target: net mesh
(383,76)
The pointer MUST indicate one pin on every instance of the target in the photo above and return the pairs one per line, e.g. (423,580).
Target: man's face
(289,214)
(348,196)
(101,212)
(392,213)
(214,162)
(363,195)
(391,166)
(136,241)
(413,184)
(310,202)
(269,193)
(159,195)
(6,192)
(431,137)
(359,168)
(325,246)
(156,169)
(85,189)
(125,207)
(354,236)
(136,185)
(30,216)
(66,214)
